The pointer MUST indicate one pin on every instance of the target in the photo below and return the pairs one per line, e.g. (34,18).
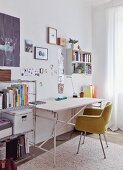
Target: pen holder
(75,95)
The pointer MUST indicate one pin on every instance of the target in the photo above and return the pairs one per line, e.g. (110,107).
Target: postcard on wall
(61,79)
(28,46)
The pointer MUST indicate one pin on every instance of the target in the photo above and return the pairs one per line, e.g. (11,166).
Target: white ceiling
(98,2)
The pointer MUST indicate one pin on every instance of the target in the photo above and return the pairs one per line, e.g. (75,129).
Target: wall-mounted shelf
(77,61)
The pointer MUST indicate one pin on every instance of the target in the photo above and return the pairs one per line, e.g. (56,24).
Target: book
(76,56)
(4,99)
(21,95)
(10,97)
(14,97)
(1,98)
(22,148)
(88,90)
(26,144)
(12,149)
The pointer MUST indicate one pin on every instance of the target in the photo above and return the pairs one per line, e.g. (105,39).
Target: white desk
(55,106)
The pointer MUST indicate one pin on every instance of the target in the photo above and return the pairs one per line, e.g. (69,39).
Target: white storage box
(22,120)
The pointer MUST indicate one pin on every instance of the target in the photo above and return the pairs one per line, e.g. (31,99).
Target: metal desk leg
(55,122)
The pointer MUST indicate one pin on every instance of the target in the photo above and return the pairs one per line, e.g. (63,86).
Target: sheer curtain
(115,64)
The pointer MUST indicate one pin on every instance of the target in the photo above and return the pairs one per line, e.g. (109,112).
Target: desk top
(69,103)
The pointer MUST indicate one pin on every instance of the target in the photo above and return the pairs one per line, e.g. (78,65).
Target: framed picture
(28,46)
(52,35)
(9,41)
(40,53)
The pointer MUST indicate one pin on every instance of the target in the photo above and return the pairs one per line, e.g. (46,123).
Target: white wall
(71,18)
(99,49)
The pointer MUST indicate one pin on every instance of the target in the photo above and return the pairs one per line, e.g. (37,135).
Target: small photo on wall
(28,46)
(60,88)
(40,53)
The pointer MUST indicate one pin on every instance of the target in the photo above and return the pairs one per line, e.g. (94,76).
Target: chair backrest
(106,114)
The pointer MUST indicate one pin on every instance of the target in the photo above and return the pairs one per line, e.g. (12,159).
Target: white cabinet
(77,61)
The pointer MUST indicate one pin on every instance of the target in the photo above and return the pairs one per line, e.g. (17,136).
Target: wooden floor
(114,137)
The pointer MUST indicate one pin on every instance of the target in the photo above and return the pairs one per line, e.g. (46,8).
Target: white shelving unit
(32,106)
(76,61)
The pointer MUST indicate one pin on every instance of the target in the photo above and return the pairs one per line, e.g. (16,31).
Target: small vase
(81,94)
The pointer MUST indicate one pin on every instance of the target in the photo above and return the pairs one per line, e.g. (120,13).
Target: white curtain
(115,64)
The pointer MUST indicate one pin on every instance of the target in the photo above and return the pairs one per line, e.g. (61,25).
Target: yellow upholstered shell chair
(94,120)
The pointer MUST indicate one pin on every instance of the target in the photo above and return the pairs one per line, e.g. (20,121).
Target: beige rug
(89,158)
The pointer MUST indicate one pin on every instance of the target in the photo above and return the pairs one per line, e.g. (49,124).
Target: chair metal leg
(84,137)
(79,143)
(102,146)
(105,139)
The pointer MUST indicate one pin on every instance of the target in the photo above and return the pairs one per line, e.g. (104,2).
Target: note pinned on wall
(60,72)
(30,72)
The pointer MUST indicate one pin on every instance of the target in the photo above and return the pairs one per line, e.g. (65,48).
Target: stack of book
(14,96)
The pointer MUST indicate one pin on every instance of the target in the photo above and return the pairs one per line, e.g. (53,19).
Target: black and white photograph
(40,53)
(28,46)
(9,41)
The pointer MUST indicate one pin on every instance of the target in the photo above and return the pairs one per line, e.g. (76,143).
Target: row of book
(17,148)
(14,96)
(82,57)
